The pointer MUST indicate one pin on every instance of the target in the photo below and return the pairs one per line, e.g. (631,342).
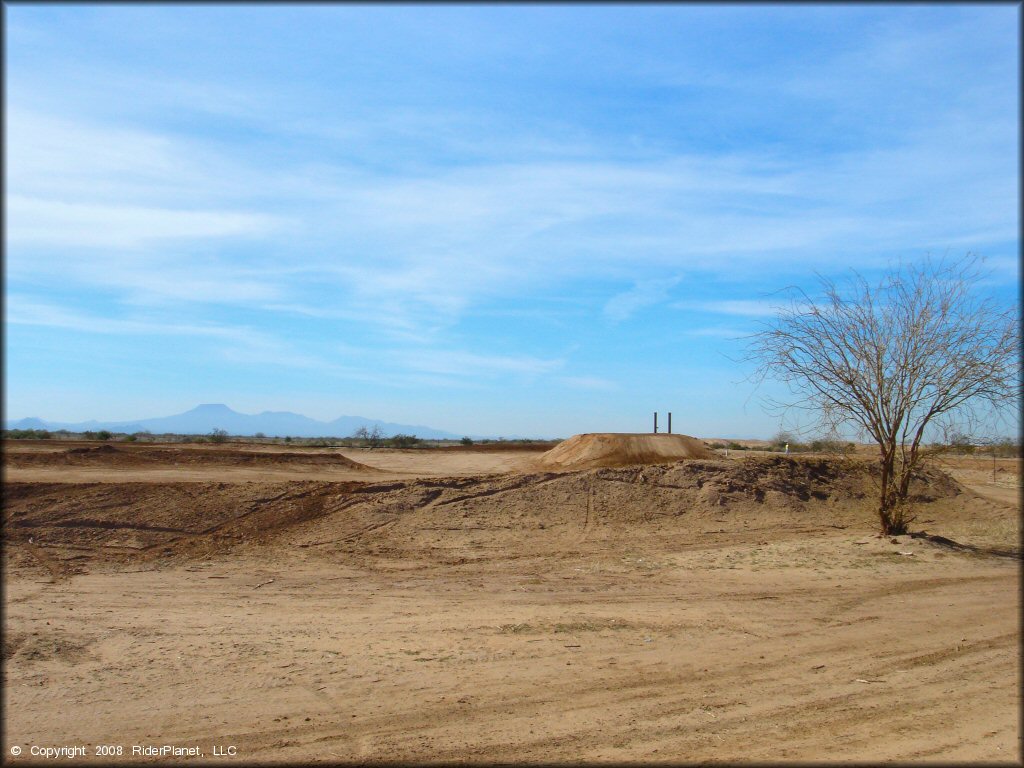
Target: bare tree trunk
(885,500)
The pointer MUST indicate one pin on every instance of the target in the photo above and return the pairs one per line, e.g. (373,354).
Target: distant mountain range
(205,418)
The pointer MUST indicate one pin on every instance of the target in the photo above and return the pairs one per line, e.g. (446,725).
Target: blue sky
(525,219)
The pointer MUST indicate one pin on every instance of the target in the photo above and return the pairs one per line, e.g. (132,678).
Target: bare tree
(372,438)
(918,348)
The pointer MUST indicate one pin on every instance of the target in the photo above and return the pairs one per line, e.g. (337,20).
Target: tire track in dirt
(646,706)
(56,571)
(532,481)
(643,707)
(642,715)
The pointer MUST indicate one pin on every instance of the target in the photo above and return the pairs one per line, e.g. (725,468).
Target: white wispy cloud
(470,364)
(420,248)
(25,311)
(68,157)
(75,187)
(740,307)
(35,221)
(237,344)
(643,294)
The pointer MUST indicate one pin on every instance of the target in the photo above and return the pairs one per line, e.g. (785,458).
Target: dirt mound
(67,525)
(110,456)
(448,520)
(93,451)
(620,449)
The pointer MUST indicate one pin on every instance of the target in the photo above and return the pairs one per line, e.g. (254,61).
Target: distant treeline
(362,438)
(1000,447)
(814,446)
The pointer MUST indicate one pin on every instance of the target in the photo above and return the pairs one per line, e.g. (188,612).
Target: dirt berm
(451,520)
(621,449)
(109,456)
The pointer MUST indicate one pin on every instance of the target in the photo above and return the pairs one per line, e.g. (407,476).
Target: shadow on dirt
(956,546)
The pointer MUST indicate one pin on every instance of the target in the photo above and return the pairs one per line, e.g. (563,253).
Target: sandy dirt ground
(466,607)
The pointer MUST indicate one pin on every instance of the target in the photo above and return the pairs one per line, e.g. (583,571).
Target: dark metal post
(655,422)
(670,422)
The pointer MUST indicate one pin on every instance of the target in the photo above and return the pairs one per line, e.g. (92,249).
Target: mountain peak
(212,408)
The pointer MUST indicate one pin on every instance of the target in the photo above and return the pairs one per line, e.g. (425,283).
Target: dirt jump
(622,449)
